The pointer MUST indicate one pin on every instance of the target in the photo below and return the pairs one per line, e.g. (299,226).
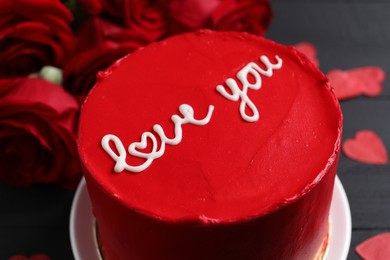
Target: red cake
(211,145)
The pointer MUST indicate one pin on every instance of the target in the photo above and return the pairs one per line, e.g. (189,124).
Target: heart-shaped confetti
(309,51)
(375,248)
(355,82)
(344,86)
(366,147)
(371,79)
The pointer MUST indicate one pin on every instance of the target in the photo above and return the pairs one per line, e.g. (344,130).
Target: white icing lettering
(237,93)
(187,113)
(137,149)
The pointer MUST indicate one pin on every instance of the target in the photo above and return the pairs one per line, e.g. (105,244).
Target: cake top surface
(209,126)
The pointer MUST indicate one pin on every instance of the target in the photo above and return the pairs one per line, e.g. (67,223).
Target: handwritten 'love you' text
(242,75)
(138,149)
(135,149)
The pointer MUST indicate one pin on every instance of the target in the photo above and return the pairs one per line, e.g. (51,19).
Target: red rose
(189,15)
(146,18)
(101,44)
(37,134)
(251,16)
(92,7)
(32,34)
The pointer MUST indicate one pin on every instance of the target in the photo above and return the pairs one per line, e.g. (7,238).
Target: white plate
(83,239)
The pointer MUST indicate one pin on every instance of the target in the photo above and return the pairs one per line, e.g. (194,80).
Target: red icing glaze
(230,189)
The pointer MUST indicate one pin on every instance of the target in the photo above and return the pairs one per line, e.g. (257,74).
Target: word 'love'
(134,148)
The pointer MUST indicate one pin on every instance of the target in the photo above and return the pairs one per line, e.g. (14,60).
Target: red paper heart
(344,86)
(366,147)
(360,81)
(371,79)
(375,248)
(309,51)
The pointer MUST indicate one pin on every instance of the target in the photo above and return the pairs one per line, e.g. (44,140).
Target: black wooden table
(347,34)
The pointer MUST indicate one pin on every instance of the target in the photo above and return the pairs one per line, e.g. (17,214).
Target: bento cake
(211,145)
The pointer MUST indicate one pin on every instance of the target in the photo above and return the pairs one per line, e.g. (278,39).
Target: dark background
(347,34)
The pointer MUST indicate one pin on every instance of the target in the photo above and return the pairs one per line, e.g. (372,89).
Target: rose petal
(80,73)
(35,8)
(41,33)
(35,32)
(101,43)
(30,124)
(145,18)
(309,50)
(41,148)
(8,85)
(375,248)
(248,16)
(366,147)
(96,33)
(92,7)
(191,15)
(40,91)
(22,159)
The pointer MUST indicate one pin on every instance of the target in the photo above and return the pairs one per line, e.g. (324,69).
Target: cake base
(321,255)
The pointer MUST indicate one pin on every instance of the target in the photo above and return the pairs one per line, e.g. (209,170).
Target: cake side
(296,231)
